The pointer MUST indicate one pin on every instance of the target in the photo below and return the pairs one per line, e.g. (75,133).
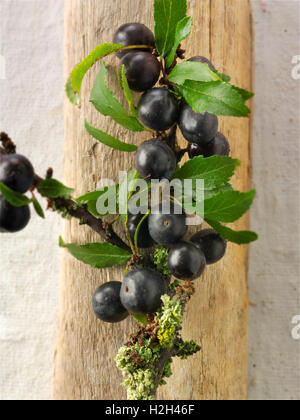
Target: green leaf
(215,170)
(218,98)
(52,188)
(38,208)
(95,55)
(91,198)
(245,94)
(72,96)
(223,76)
(108,140)
(208,193)
(167,14)
(228,206)
(124,85)
(98,255)
(15,198)
(183,30)
(104,101)
(78,73)
(238,237)
(190,70)
(192,198)
(142,319)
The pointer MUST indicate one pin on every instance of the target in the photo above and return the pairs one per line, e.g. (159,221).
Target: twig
(104,229)
(8,145)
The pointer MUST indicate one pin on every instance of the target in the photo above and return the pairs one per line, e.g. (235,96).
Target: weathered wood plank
(218,314)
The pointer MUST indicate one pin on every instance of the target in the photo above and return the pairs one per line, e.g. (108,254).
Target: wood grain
(217,316)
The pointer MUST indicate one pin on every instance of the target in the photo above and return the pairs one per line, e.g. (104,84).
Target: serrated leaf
(183,30)
(142,319)
(127,92)
(191,70)
(52,188)
(228,206)
(38,208)
(14,198)
(71,95)
(104,101)
(218,98)
(192,199)
(98,255)
(108,140)
(239,237)
(167,13)
(215,170)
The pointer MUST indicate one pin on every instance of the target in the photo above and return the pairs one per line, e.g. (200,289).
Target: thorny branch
(80,212)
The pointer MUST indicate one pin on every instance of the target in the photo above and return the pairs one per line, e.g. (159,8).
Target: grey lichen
(137,365)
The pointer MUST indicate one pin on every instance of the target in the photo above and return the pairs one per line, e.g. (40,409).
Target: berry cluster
(159,110)
(148,291)
(142,288)
(17,173)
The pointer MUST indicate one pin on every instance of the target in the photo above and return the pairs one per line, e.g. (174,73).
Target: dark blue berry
(155,160)
(186,261)
(107,303)
(142,70)
(144,238)
(158,109)
(218,146)
(16,172)
(167,227)
(142,290)
(13,219)
(197,128)
(211,244)
(133,34)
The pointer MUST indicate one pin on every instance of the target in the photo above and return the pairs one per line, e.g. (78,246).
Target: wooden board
(217,316)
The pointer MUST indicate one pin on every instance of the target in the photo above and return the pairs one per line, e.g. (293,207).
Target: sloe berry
(13,219)
(107,303)
(141,291)
(211,244)
(16,172)
(155,160)
(218,146)
(186,261)
(158,109)
(133,34)
(166,229)
(197,128)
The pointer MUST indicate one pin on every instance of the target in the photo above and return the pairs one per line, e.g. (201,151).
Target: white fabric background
(31,111)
